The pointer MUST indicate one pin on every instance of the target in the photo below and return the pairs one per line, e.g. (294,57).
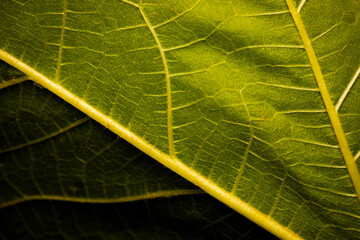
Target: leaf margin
(168,161)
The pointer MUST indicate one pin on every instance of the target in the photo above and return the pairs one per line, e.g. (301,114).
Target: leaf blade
(173,164)
(52,151)
(217,56)
(333,115)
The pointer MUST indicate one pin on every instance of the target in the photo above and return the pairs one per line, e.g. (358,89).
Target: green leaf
(50,150)
(10,76)
(42,166)
(253,101)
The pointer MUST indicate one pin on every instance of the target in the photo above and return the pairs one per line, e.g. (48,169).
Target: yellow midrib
(172,163)
(330,108)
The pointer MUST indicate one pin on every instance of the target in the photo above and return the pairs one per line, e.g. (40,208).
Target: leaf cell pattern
(224,87)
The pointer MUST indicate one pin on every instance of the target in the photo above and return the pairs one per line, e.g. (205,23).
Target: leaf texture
(49,150)
(46,137)
(185,217)
(225,93)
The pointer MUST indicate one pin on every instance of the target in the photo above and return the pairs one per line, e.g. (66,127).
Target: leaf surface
(46,137)
(185,217)
(254,101)
(49,150)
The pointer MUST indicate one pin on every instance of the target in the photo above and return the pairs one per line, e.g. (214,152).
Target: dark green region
(185,217)
(50,149)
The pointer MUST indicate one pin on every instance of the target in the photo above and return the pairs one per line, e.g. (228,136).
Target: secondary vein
(61,45)
(13,81)
(330,108)
(172,163)
(46,137)
(168,83)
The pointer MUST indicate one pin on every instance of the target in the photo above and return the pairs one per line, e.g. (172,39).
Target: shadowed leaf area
(51,150)
(38,161)
(182,217)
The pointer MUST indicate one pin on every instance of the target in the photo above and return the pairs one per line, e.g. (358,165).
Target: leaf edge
(172,163)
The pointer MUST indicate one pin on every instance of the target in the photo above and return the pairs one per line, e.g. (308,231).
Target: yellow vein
(177,16)
(245,158)
(357,155)
(168,83)
(261,14)
(278,197)
(353,215)
(283,86)
(301,5)
(326,32)
(329,190)
(126,28)
(44,138)
(169,193)
(130,3)
(347,90)
(13,81)
(58,65)
(333,114)
(172,163)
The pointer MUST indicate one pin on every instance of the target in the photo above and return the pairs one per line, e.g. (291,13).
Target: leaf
(253,101)
(185,217)
(47,170)
(49,150)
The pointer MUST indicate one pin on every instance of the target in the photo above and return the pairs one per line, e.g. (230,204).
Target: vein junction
(333,114)
(168,83)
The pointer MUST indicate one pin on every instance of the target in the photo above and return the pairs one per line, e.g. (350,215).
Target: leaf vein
(246,154)
(61,45)
(347,90)
(177,16)
(333,114)
(62,130)
(167,79)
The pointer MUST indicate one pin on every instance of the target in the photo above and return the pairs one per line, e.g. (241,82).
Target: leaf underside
(184,217)
(225,89)
(48,136)
(49,150)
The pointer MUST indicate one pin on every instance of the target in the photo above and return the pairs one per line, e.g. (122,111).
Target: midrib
(172,163)
(330,108)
